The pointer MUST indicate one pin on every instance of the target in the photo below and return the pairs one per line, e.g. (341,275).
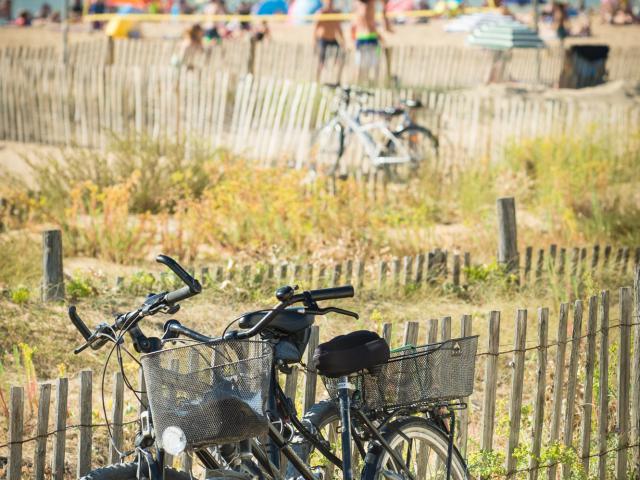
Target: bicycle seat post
(344,394)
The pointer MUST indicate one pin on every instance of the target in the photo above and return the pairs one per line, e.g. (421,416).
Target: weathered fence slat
(433,331)
(411,330)
(491,382)
(386,332)
(572,379)
(40,454)
(311,377)
(86,434)
(558,381)
(541,383)
(635,378)
(16,425)
(587,404)
(59,441)
(445,328)
(116,417)
(624,351)
(517,380)
(463,429)
(603,400)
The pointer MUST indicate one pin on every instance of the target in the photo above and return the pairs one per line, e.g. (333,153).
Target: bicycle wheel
(422,147)
(423,448)
(327,148)
(323,418)
(128,471)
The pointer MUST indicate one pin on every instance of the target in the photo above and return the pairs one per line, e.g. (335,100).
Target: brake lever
(340,311)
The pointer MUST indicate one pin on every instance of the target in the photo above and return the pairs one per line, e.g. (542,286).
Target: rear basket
(428,374)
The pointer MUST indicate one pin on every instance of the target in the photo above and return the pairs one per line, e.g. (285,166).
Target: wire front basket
(216,392)
(428,374)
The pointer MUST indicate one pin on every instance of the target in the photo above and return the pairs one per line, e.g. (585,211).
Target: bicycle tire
(128,471)
(319,417)
(422,145)
(327,148)
(433,440)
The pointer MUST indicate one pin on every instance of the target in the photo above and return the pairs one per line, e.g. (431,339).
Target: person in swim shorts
(365,34)
(327,35)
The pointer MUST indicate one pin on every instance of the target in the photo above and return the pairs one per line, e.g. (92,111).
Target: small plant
(487,464)
(78,287)
(141,283)
(20,295)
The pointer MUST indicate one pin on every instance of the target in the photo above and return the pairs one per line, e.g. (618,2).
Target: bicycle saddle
(347,354)
(411,103)
(290,320)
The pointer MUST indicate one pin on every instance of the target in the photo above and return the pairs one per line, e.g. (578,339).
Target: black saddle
(347,354)
(290,320)
(409,103)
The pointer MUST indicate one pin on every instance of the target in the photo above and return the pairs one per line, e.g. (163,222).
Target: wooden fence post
(507,234)
(59,441)
(558,382)
(572,380)
(311,378)
(456,270)
(587,408)
(116,417)
(603,400)
(623,381)
(85,434)
(16,425)
(490,382)
(40,453)
(541,383)
(517,381)
(635,378)
(52,274)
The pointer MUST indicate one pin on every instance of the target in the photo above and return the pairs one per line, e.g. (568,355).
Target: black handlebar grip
(180,294)
(345,291)
(192,283)
(79,324)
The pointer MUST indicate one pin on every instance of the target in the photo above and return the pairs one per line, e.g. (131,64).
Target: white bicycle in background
(345,144)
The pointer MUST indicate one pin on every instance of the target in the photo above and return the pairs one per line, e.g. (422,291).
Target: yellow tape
(199,17)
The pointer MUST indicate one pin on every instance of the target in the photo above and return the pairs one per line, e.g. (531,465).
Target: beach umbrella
(468,23)
(504,36)
(300,8)
(270,7)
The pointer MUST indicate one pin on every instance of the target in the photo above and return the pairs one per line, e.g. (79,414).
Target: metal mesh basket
(215,392)
(432,373)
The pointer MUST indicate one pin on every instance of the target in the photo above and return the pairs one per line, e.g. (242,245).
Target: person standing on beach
(365,34)
(214,30)
(327,34)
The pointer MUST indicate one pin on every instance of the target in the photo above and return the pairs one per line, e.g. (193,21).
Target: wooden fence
(564,403)
(440,67)
(86,105)
(563,267)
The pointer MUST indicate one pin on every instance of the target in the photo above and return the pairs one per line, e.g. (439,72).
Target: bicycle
(219,397)
(398,151)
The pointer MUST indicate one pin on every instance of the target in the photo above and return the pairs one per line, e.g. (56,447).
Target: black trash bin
(584,66)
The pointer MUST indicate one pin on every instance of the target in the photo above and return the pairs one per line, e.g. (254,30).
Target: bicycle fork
(344,395)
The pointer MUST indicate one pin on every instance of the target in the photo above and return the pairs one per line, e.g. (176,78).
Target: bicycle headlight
(174,440)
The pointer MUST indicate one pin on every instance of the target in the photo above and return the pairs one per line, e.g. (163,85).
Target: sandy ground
(431,33)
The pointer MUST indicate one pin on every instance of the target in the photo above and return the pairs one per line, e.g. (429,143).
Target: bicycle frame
(361,131)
